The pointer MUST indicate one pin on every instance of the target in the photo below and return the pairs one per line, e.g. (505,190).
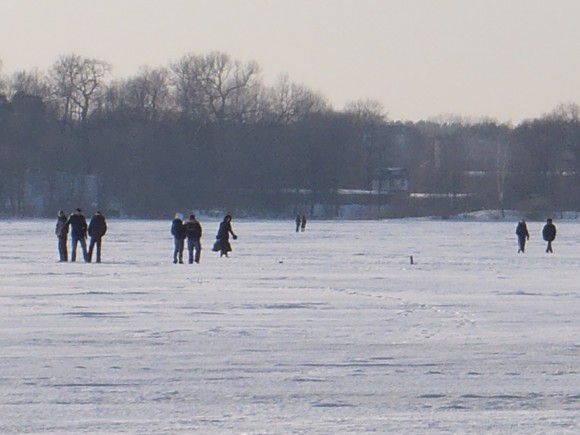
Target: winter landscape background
(328,331)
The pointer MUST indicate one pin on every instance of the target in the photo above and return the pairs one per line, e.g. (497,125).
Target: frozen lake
(323,332)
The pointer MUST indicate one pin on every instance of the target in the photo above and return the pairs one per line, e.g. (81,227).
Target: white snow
(323,332)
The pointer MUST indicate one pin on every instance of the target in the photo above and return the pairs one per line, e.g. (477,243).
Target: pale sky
(505,59)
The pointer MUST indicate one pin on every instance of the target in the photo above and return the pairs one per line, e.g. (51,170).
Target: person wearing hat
(193,232)
(97,229)
(178,233)
(78,225)
(61,232)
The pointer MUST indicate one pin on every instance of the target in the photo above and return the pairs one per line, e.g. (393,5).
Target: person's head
(179,216)
(549,220)
(98,212)
(61,213)
(228,218)
(78,211)
(191,216)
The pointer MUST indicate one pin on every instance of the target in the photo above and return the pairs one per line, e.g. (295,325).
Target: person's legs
(181,246)
(83,243)
(91,247)
(62,251)
(99,250)
(197,245)
(175,249)
(73,255)
(190,244)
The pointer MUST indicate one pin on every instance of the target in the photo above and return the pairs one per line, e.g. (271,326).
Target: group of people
(192,231)
(79,229)
(548,234)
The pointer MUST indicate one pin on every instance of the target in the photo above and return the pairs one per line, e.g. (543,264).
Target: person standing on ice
(523,235)
(297,222)
(193,233)
(78,225)
(549,234)
(178,232)
(97,229)
(61,232)
(223,236)
(303,223)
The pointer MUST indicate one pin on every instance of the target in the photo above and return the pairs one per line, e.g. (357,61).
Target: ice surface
(323,332)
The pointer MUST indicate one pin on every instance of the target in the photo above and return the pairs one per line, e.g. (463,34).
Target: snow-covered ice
(324,332)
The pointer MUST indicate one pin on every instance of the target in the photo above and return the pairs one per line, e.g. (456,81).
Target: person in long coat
(223,236)
(523,235)
(61,231)
(97,229)
(78,225)
(549,234)
(178,232)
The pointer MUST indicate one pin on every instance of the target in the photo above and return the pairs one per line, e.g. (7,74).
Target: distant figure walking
(193,233)
(523,235)
(303,223)
(298,220)
(549,234)
(78,224)
(223,236)
(61,232)
(178,232)
(97,229)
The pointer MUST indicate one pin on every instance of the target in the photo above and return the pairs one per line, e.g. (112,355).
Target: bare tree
(77,83)
(30,83)
(2,83)
(186,80)
(226,83)
(369,112)
(146,93)
(290,102)
(368,117)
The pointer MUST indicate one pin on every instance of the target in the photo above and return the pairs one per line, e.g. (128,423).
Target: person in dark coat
(303,223)
(78,225)
(61,232)
(178,232)
(298,220)
(549,234)
(97,229)
(523,235)
(223,236)
(193,233)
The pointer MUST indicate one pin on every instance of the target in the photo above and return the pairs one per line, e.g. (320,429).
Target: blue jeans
(191,245)
(95,241)
(178,250)
(83,242)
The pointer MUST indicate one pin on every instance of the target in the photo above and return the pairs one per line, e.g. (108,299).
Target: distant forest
(207,134)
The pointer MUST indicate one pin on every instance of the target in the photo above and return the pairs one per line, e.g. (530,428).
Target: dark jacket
(522,231)
(177,229)
(97,226)
(78,225)
(549,232)
(225,230)
(193,229)
(61,229)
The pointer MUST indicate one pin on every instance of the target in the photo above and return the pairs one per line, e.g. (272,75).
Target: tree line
(206,133)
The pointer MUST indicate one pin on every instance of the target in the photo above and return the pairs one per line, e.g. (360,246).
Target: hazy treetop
(507,60)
